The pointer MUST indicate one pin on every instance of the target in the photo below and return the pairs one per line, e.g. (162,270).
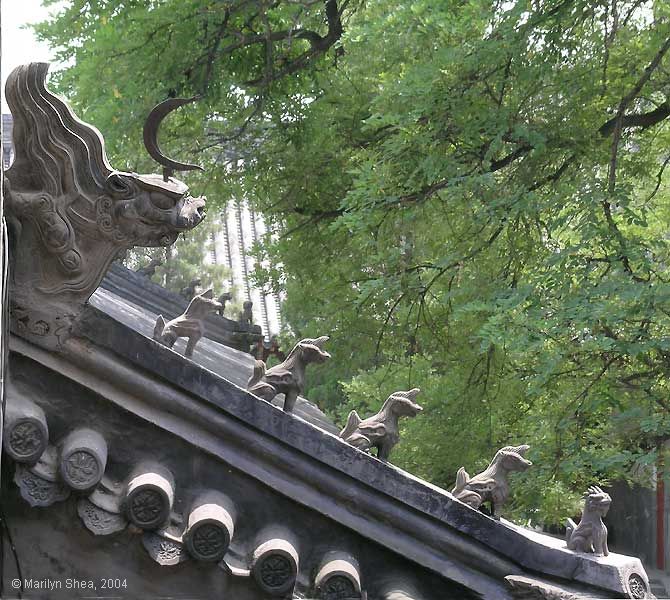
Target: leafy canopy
(468,196)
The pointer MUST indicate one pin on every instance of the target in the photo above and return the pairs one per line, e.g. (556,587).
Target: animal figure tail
(462,479)
(570,527)
(352,423)
(258,374)
(159,328)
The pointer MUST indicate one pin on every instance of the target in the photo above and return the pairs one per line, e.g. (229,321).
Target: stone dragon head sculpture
(69,212)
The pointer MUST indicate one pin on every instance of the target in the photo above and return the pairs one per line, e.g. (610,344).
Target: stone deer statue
(189,325)
(288,377)
(491,485)
(591,534)
(381,430)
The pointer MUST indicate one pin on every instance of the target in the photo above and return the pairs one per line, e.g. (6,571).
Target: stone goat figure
(189,325)
(381,430)
(491,485)
(288,377)
(591,534)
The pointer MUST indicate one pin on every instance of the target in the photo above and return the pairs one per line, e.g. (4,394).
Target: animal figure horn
(151,126)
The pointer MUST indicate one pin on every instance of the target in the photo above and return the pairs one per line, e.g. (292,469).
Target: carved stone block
(400,589)
(108,495)
(210,527)
(149,496)
(83,459)
(591,533)
(40,484)
(288,377)
(26,434)
(70,213)
(164,551)
(381,431)
(338,578)
(274,566)
(491,485)
(190,325)
(98,520)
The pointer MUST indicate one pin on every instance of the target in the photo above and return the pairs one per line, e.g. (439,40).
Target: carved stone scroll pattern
(339,588)
(26,438)
(209,540)
(82,468)
(276,571)
(99,521)
(163,551)
(636,586)
(147,507)
(38,491)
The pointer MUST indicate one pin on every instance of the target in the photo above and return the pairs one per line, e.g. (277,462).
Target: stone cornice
(315,468)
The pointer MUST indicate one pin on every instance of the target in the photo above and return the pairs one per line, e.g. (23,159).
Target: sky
(19,45)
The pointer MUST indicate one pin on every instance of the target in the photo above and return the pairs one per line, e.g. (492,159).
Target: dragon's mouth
(193,211)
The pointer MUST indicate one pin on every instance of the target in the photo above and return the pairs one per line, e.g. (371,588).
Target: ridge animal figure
(246,317)
(381,430)
(491,485)
(222,299)
(149,270)
(288,377)
(591,534)
(189,325)
(192,289)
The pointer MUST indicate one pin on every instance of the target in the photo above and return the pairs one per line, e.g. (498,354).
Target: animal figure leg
(384,451)
(289,400)
(192,341)
(495,510)
(169,338)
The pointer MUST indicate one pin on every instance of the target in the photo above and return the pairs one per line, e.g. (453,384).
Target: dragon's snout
(192,212)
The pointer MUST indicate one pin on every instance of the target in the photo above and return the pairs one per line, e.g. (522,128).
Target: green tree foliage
(469,196)
(188,259)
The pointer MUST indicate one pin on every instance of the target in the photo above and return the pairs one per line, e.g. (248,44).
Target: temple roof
(234,365)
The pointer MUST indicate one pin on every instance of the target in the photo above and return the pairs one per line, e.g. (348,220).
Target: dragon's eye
(163,201)
(118,185)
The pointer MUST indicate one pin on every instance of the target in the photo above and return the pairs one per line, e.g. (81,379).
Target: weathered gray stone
(165,551)
(149,496)
(591,534)
(83,458)
(98,520)
(527,588)
(154,300)
(246,317)
(275,564)
(491,485)
(381,430)
(26,434)
(189,325)
(338,577)
(39,484)
(618,573)
(288,377)
(70,213)
(210,526)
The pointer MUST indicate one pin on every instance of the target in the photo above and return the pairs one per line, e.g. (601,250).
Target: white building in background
(239,229)
(7,145)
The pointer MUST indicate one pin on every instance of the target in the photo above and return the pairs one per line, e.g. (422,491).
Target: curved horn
(151,126)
